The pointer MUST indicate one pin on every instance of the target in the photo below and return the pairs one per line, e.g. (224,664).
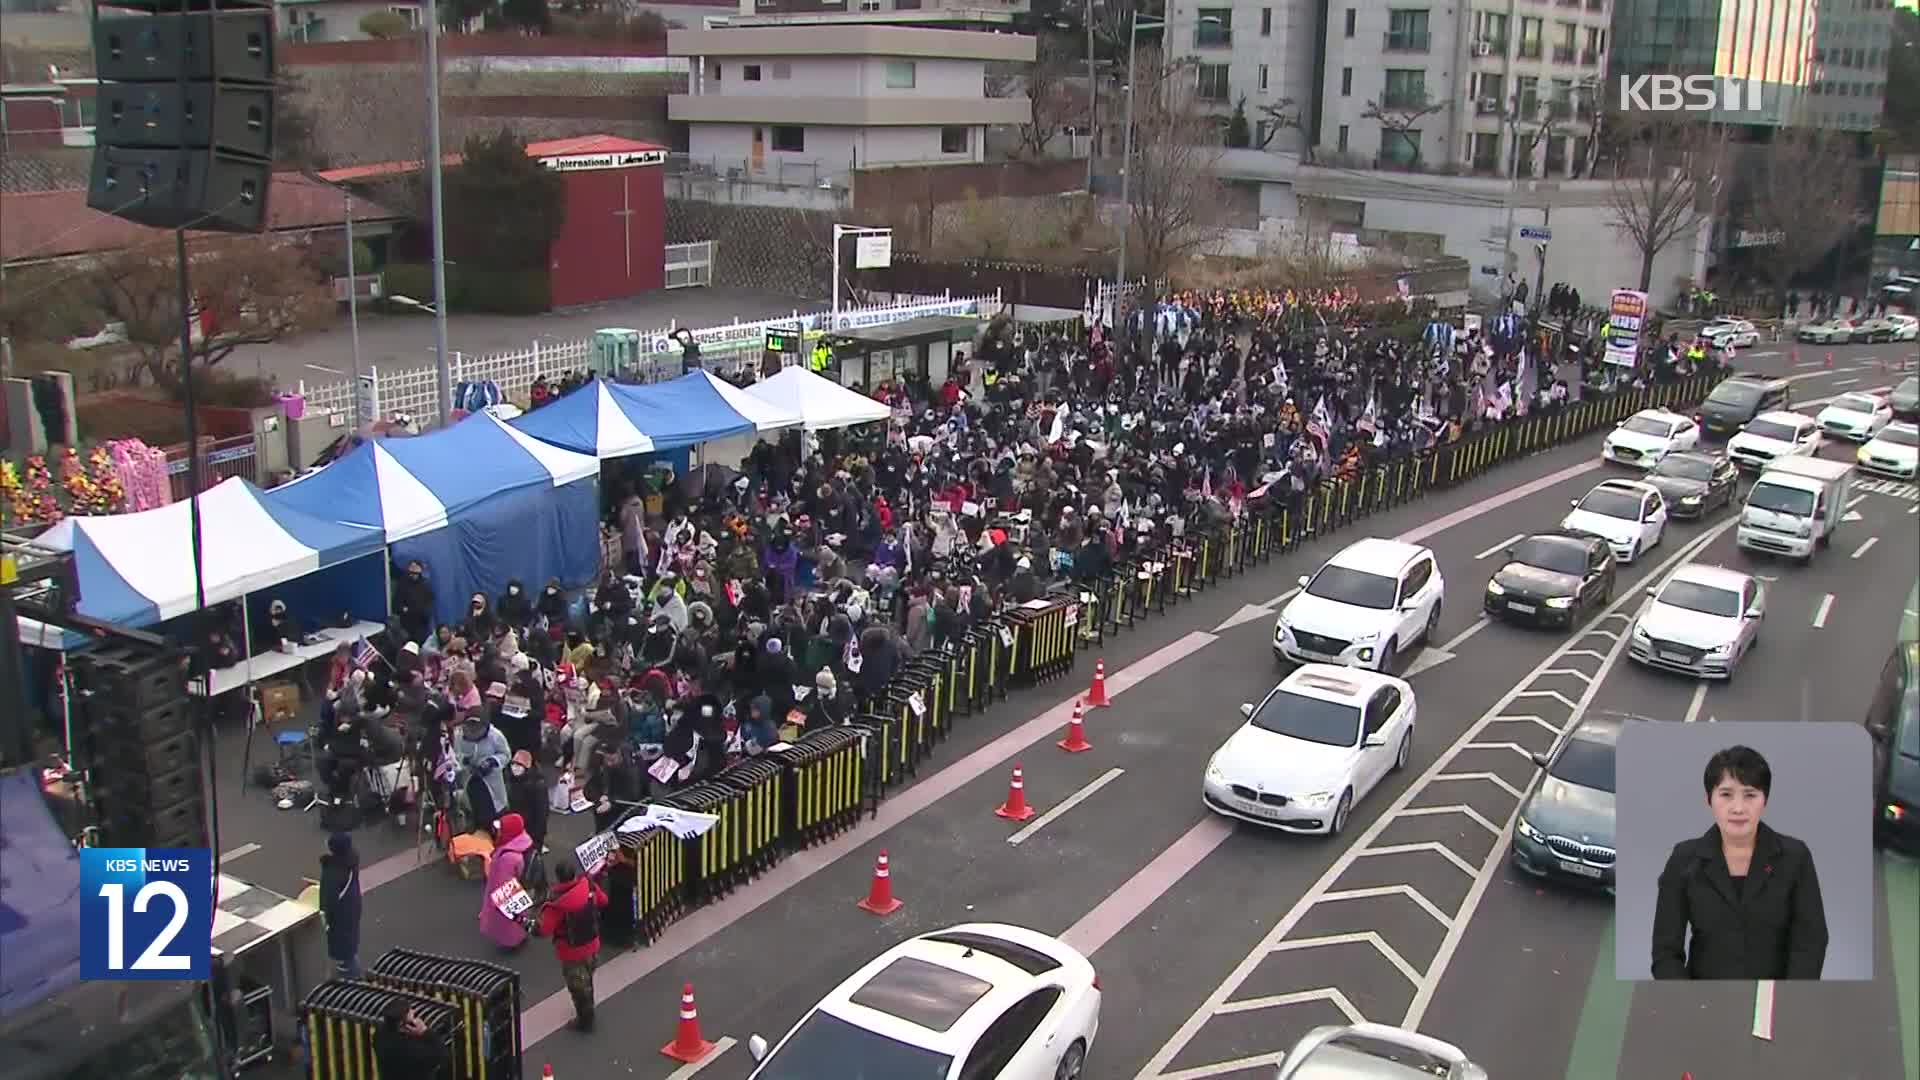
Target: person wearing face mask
(514,608)
(413,602)
(481,752)
(480,622)
(278,632)
(552,605)
(527,795)
(1749,895)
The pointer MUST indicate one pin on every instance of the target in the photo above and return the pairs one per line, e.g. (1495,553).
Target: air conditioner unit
(1489,105)
(1483,48)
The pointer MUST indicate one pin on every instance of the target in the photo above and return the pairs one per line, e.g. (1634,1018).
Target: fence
(220,459)
(724,349)
(822,783)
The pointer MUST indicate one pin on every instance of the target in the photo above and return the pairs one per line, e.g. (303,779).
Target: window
(1346,82)
(1486,152)
(1260,136)
(789,139)
(1341,146)
(1490,94)
(1556,154)
(1381,709)
(1005,1036)
(715,72)
(1212,84)
(1266,22)
(1530,39)
(1215,29)
(900,74)
(750,72)
(957,139)
(1263,78)
(1416,580)
(1309,719)
(1406,31)
(782,69)
(1528,88)
(1352,17)
(1355,588)
(1563,50)
(411,14)
(1406,88)
(1596,44)
(1491,29)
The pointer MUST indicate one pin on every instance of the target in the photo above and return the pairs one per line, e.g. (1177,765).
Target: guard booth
(616,349)
(919,348)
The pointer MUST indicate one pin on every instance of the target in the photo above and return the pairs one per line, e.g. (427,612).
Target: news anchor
(1749,894)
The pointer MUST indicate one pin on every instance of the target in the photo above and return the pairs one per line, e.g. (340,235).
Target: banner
(593,852)
(1628,316)
(685,824)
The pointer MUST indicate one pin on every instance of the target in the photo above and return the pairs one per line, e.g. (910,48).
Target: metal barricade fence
(659,879)
(760,783)
(343,1016)
(487,995)
(1043,647)
(715,858)
(828,778)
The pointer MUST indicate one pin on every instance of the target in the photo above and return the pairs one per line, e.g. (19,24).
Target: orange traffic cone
(1795,357)
(1016,808)
(1076,740)
(1829,360)
(880,899)
(1097,695)
(687,1045)
(546,1073)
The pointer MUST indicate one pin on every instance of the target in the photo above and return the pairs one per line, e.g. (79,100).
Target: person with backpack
(510,862)
(572,919)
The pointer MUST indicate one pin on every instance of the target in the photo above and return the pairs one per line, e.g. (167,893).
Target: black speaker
(184,119)
(136,739)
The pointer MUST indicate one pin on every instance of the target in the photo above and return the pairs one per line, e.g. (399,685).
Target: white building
(788,102)
(337,20)
(976,14)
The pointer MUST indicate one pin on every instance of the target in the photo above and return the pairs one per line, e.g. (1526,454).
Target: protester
(403,1045)
(340,903)
(571,918)
(481,752)
(511,853)
(527,796)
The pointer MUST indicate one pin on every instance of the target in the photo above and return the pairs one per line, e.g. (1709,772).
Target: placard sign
(511,899)
(593,852)
(1628,314)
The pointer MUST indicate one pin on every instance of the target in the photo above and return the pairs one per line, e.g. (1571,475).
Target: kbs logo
(1688,93)
(146,913)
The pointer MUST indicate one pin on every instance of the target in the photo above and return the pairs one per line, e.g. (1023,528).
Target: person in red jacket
(572,919)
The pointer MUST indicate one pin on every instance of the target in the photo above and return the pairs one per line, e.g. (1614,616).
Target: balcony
(1563,54)
(1405,41)
(1589,58)
(1529,50)
(1212,36)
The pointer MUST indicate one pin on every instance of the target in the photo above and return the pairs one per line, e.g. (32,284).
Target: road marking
(1072,801)
(1845,382)
(1856,501)
(1699,699)
(1595,1054)
(1501,546)
(687,1071)
(1820,614)
(1511,495)
(1763,1010)
(1441,769)
(1865,547)
(239,852)
(1123,905)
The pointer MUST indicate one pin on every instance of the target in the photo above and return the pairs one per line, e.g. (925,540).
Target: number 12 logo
(146,913)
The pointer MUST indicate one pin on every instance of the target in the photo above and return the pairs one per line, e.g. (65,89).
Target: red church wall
(613,244)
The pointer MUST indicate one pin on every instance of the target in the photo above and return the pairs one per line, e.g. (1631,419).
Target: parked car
(1728,332)
(1830,332)
(1905,327)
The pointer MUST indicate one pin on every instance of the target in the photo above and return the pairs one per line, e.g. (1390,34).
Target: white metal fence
(724,349)
(689,265)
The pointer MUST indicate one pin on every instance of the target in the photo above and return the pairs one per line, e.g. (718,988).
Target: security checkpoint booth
(918,348)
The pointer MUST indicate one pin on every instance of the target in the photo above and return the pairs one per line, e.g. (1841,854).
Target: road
(1218,945)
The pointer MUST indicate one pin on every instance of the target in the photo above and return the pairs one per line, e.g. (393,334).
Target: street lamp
(444,382)
(353,288)
(1126,149)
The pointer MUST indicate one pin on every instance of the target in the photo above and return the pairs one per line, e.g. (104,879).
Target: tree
(1276,117)
(1174,193)
(385,25)
(1805,199)
(504,209)
(248,290)
(1046,84)
(1400,117)
(1239,134)
(1666,183)
(528,15)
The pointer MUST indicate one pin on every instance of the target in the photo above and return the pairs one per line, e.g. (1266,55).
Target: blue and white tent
(611,420)
(479,503)
(137,569)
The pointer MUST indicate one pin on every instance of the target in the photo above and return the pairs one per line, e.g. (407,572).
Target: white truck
(1795,506)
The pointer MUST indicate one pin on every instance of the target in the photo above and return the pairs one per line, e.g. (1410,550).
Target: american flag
(364,653)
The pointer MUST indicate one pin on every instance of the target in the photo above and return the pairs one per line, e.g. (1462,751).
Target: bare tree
(1805,201)
(1668,181)
(1276,117)
(1046,84)
(1401,118)
(1173,189)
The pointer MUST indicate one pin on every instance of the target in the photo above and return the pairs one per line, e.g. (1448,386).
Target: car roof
(1782,416)
(1629,487)
(1601,727)
(1710,457)
(1717,576)
(1766,381)
(1334,682)
(1374,554)
(1565,537)
(907,992)
(1838,398)
(1661,414)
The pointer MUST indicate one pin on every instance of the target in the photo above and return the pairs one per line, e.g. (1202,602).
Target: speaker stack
(141,748)
(185,115)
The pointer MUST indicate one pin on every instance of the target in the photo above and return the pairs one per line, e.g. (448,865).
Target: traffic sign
(1490,270)
(1535,232)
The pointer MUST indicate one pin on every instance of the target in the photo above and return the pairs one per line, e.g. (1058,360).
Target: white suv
(1367,605)
(1774,435)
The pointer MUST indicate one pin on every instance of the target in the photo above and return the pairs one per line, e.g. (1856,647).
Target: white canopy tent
(821,403)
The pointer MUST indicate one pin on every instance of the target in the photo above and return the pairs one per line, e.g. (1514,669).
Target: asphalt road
(1218,945)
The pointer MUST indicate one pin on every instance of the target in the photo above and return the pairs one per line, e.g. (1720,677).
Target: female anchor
(1748,893)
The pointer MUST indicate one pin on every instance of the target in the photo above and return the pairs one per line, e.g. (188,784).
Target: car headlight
(1318,798)
(1215,773)
(1721,650)
(1359,639)
(1494,588)
(1690,500)
(1640,633)
(1861,454)
(1805,530)
(1560,602)
(1527,830)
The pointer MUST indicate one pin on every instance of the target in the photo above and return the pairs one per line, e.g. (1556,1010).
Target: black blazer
(1773,928)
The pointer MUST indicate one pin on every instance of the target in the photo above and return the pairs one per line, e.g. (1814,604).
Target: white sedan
(1723,333)
(980,999)
(1830,332)
(1320,741)
(1894,452)
(1643,439)
(1703,622)
(1888,328)
(1629,515)
(1375,1052)
(1774,435)
(1856,417)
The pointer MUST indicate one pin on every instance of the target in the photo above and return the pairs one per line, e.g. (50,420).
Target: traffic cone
(1829,360)
(1016,808)
(687,1045)
(1795,357)
(1076,740)
(546,1073)
(1097,695)
(880,899)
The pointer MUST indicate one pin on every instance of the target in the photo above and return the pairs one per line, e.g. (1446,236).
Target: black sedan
(1552,579)
(1695,483)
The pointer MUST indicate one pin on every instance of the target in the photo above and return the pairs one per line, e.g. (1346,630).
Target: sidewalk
(402,341)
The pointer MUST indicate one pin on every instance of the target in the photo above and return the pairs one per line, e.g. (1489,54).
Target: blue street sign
(1535,232)
(1490,270)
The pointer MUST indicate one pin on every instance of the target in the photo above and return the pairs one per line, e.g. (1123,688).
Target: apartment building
(952,14)
(808,104)
(1256,56)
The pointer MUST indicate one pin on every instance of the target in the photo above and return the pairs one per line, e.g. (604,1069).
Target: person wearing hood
(775,675)
(514,608)
(527,795)
(480,621)
(1024,586)
(552,605)
(482,752)
(413,602)
(658,643)
(340,903)
(278,632)
(758,730)
(509,861)
(827,707)
(667,600)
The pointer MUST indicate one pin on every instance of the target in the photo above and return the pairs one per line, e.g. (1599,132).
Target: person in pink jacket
(509,860)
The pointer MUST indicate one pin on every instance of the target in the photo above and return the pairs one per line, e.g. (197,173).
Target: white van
(1795,506)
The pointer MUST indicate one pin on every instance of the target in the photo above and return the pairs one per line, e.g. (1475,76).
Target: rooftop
(578,144)
(852,40)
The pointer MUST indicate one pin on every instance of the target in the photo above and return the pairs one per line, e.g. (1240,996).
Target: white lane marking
(1856,501)
(1699,699)
(1072,801)
(688,1071)
(1322,889)
(1441,850)
(239,852)
(1763,1010)
(1820,614)
(1501,546)
(1284,597)
(1865,547)
(1461,638)
(1845,382)
(1915,509)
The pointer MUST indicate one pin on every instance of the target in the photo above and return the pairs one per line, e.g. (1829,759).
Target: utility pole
(1093,102)
(441,358)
